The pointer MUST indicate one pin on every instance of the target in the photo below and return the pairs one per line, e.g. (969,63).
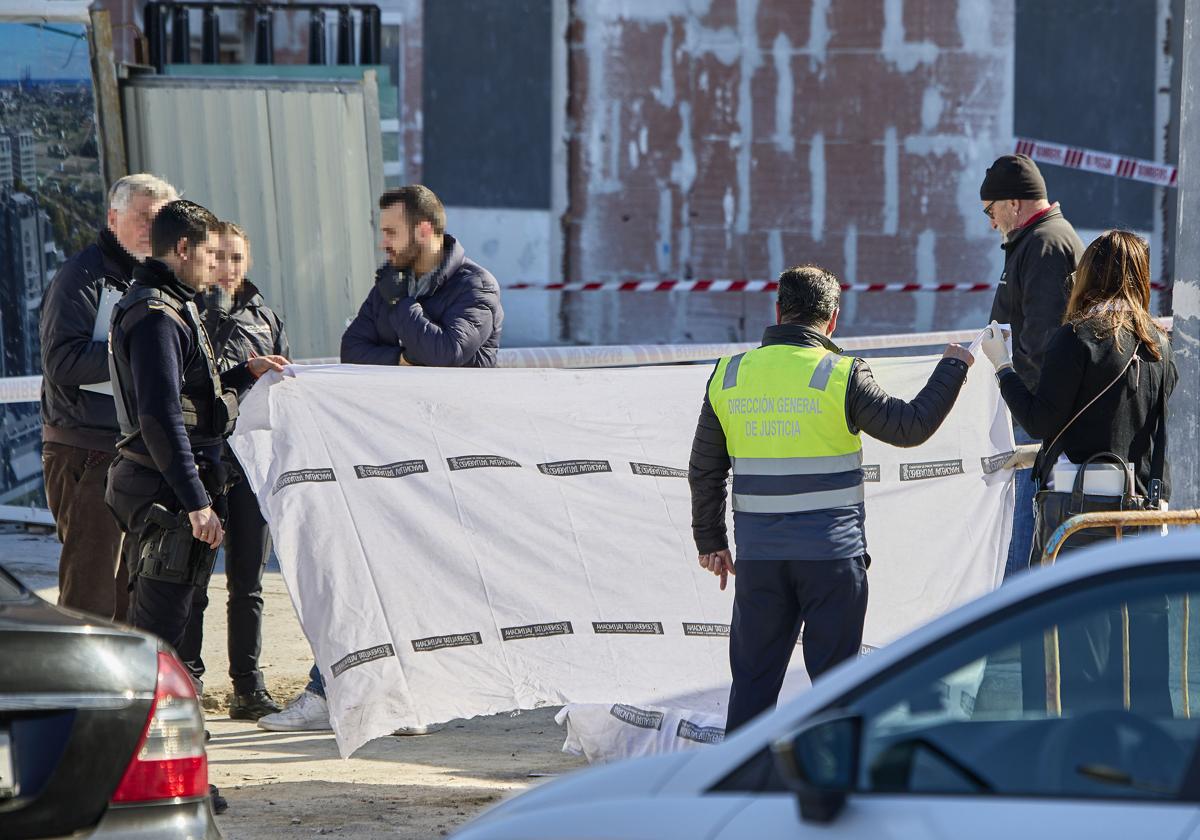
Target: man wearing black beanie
(1041,250)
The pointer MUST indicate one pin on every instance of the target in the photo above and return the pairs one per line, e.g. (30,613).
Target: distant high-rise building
(6,163)
(24,163)
(22,281)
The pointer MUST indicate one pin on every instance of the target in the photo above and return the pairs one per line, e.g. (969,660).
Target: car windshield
(1089,694)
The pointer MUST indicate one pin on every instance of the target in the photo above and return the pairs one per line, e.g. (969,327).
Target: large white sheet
(464,542)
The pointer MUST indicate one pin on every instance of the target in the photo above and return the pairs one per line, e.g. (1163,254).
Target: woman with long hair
(1108,371)
(1100,407)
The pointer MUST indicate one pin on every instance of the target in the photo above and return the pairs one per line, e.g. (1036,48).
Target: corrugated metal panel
(292,162)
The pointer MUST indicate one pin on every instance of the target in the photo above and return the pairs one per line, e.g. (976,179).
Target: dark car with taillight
(101,734)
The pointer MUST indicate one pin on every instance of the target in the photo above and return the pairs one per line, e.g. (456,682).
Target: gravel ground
(286,785)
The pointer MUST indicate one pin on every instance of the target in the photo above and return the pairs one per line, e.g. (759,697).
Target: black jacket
(70,358)
(868,409)
(1039,260)
(249,328)
(165,362)
(1123,421)
(457,324)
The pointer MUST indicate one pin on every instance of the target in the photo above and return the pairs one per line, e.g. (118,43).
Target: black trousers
(772,600)
(159,607)
(247,548)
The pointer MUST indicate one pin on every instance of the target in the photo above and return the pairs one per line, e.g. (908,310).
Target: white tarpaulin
(464,542)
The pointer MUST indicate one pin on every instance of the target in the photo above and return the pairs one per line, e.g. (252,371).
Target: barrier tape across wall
(747,286)
(737,286)
(1101,163)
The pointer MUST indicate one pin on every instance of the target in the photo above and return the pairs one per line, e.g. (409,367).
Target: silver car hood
(635,777)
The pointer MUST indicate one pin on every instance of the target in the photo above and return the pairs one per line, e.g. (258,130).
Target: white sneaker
(308,712)
(420,730)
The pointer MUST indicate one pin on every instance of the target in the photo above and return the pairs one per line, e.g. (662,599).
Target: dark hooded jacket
(1039,260)
(70,356)
(455,324)
(248,328)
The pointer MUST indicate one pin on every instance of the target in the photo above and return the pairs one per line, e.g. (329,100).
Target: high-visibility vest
(783,411)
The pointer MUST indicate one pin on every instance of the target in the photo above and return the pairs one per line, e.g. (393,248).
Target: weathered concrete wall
(731,138)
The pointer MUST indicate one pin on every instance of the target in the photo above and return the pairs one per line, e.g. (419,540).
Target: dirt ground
(287,785)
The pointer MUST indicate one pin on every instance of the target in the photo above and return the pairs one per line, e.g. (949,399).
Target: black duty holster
(169,552)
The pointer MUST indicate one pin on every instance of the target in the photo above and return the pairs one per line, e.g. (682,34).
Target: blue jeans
(1020,546)
(316,683)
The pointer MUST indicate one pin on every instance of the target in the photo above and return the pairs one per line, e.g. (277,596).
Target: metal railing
(169,33)
(1118,521)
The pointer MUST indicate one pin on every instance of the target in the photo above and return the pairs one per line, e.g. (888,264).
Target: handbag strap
(1128,492)
(1049,454)
(1158,456)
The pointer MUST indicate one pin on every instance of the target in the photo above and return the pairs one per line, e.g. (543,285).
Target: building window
(505,131)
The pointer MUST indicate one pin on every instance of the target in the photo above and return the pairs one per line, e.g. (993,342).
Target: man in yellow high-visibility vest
(787,418)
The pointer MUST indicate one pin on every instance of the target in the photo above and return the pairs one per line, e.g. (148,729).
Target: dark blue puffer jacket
(456,325)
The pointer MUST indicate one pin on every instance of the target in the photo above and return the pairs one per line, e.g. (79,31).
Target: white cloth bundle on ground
(464,542)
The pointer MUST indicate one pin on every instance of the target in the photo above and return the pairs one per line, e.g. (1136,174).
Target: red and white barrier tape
(738,286)
(1103,163)
(747,286)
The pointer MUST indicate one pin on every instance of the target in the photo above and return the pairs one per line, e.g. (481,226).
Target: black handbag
(1051,508)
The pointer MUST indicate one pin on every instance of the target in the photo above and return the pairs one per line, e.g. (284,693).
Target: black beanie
(1012,176)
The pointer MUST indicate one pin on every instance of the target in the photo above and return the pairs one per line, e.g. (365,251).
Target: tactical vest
(797,468)
(208,411)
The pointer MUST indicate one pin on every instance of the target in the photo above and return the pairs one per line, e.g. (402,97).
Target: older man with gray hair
(79,417)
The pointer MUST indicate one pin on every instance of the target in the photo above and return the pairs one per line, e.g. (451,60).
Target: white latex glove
(1023,456)
(994,347)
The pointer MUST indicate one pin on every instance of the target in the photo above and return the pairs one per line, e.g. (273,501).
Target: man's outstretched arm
(906,423)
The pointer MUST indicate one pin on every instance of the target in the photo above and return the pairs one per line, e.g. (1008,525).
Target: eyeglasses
(987,211)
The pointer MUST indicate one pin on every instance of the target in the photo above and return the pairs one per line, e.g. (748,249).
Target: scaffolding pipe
(316,37)
(210,45)
(345,37)
(264,36)
(370,45)
(181,36)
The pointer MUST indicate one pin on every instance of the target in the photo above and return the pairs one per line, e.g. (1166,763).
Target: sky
(49,55)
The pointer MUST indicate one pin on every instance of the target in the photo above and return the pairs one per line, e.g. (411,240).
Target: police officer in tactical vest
(787,417)
(167,485)
(241,326)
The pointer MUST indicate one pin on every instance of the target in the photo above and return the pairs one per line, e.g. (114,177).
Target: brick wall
(731,138)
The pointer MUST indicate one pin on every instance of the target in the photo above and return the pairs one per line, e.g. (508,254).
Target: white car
(952,731)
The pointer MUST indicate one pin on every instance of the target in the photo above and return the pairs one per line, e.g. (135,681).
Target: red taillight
(169,761)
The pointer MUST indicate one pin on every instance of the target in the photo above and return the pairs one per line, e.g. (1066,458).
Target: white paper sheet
(464,542)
